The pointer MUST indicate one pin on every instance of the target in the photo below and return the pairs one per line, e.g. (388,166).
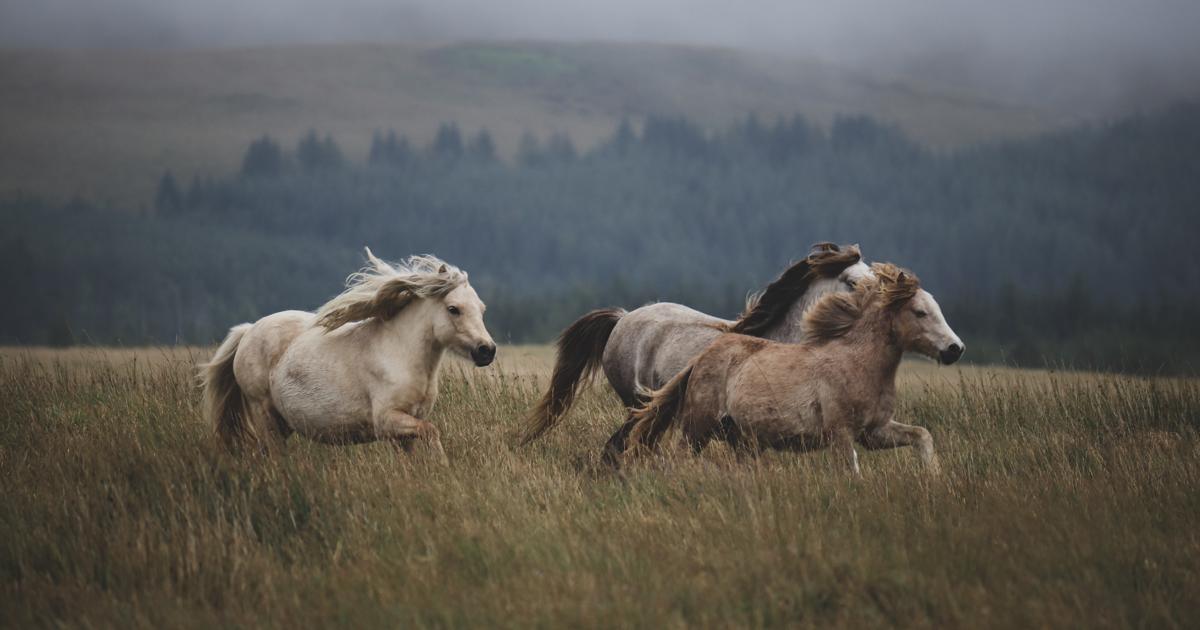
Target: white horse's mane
(382,290)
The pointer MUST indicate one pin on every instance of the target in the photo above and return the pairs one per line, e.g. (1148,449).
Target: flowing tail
(224,404)
(653,419)
(580,349)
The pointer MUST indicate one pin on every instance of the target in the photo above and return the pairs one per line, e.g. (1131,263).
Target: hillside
(104,124)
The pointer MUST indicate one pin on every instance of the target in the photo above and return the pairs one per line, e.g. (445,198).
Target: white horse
(364,367)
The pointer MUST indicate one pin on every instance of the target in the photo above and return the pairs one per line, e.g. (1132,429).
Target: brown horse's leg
(843,443)
(616,445)
(894,434)
(405,430)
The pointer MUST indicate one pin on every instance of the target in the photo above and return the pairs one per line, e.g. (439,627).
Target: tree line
(1071,248)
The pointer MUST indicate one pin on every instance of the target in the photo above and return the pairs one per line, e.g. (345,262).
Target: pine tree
(447,144)
(481,147)
(264,158)
(529,152)
(560,148)
(168,200)
(623,138)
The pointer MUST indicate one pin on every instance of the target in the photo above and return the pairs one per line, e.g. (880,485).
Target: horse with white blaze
(835,388)
(364,367)
(642,349)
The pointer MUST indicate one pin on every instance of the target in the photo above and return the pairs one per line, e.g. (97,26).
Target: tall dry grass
(1067,499)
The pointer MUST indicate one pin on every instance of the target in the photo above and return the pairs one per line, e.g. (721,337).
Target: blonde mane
(381,290)
(836,314)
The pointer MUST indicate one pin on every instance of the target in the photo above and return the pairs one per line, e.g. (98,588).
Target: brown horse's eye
(453,310)
(920,313)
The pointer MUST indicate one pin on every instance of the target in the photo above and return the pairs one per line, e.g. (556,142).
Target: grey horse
(641,350)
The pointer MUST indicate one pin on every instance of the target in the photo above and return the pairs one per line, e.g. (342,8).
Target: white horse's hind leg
(405,430)
(894,434)
(267,428)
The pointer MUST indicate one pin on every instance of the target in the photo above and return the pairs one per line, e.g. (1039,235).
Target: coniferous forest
(1070,249)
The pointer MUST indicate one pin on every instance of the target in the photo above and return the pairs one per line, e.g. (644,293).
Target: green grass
(105,124)
(1067,500)
(510,64)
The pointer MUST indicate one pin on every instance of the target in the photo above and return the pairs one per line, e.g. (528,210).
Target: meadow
(1067,499)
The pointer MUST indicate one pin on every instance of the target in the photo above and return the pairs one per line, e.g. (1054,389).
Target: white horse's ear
(442,269)
(378,264)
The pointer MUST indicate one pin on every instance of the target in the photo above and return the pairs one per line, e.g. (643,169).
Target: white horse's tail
(224,404)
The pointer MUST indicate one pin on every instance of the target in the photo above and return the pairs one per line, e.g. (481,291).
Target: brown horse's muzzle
(952,353)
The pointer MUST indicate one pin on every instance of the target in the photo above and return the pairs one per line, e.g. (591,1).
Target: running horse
(364,367)
(642,349)
(836,388)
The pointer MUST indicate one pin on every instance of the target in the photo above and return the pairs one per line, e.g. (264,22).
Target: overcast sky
(1015,48)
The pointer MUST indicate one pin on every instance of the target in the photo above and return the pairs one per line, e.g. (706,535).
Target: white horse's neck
(408,338)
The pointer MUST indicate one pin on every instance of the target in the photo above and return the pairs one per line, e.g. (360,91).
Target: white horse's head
(917,322)
(458,325)
(838,268)
(382,291)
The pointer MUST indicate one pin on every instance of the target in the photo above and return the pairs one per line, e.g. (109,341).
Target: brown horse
(642,349)
(836,387)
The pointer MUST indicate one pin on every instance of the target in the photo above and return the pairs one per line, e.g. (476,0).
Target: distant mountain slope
(104,124)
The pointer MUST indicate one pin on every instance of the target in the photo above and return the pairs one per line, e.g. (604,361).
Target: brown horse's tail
(660,412)
(224,404)
(580,349)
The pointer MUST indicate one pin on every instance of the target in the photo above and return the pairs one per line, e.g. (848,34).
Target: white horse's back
(263,346)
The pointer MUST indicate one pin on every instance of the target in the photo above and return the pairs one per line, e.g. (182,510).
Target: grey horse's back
(652,344)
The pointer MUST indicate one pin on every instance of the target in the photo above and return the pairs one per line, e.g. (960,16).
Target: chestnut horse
(642,349)
(835,388)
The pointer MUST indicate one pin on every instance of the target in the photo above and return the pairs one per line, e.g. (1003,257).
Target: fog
(1095,55)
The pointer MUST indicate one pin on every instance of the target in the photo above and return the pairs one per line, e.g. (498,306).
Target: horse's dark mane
(765,309)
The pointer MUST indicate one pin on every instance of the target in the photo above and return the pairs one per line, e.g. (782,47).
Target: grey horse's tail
(224,404)
(580,349)
(659,413)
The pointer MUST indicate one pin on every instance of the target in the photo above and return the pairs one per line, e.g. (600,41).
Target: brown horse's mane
(836,314)
(766,308)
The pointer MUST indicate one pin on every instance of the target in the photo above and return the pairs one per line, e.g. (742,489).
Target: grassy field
(105,124)
(1067,500)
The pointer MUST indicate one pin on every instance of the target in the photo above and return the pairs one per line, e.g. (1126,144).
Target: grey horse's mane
(768,307)
(382,290)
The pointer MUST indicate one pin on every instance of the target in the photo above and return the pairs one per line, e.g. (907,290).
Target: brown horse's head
(895,300)
(916,319)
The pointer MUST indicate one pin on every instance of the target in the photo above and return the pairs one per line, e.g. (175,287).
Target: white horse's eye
(453,310)
(920,313)
(848,282)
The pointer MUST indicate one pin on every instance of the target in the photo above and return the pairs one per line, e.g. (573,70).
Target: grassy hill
(104,124)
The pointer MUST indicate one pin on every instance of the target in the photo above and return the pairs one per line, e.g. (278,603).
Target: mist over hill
(102,124)
(1084,58)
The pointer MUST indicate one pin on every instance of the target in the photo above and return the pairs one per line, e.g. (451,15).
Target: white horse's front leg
(403,428)
(894,434)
